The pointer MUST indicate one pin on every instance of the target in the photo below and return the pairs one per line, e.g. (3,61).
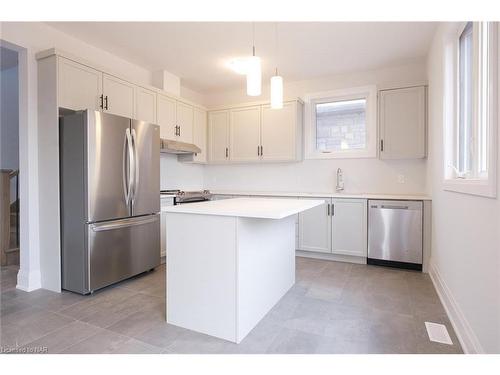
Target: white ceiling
(197,52)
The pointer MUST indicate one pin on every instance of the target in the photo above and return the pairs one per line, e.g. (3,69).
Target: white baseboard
(28,281)
(466,336)
(334,257)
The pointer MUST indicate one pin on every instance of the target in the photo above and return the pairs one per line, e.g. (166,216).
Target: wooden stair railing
(6,210)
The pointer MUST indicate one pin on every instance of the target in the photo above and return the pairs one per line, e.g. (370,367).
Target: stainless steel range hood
(174,147)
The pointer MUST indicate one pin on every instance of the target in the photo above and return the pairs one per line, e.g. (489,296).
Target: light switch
(401,178)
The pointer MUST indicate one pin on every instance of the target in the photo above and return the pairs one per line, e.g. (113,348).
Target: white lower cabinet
(164,202)
(349,227)
(315,229)
(339,226)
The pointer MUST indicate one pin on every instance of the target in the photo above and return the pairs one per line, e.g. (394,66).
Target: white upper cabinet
(279,133)
(402,122)
(184,122)
(166,117)
(218,134)
(145,105)
(79,87)
(118,96)
(349,227)
(200,134)
(315,229)
(245,134)
(261,134)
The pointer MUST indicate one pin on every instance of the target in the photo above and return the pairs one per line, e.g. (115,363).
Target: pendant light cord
(276,44)
(253,38)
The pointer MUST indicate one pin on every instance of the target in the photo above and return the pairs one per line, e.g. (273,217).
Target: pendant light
(276,80)
(254,73)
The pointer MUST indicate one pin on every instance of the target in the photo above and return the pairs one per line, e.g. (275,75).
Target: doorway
(9,158)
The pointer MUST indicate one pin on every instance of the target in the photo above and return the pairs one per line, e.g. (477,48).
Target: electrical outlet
(401,178)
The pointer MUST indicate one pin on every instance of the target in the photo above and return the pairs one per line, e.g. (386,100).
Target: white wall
(360,175)
(465,235)
(176,175)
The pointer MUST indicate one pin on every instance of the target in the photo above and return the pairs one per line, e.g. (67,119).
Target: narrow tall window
(472,94)
(465,125)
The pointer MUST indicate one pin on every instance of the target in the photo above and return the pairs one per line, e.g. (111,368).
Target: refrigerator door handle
(136,165)
(128,165)
(99,227)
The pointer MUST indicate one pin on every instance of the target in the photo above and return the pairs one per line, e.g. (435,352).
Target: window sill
(483,188)
(341,155)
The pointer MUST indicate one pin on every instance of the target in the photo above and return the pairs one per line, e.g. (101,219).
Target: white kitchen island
(229,262)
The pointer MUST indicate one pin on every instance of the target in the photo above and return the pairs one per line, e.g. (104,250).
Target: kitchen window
(341,124)
(470,138)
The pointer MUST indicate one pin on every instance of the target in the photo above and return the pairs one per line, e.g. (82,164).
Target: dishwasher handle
(394,207)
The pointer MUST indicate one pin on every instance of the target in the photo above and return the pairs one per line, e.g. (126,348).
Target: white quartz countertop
(264,208)
(324,195)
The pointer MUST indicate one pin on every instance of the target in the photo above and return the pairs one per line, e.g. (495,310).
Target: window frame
(474,182)
(368,93)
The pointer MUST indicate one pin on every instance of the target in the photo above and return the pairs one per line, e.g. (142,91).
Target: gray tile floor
(333,308)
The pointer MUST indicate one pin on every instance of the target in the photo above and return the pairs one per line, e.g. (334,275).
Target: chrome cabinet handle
(394,207)
(106,102)
(328,209)
(102,101)
(333,209)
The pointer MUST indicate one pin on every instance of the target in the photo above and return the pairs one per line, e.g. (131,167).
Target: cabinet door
(200,134)
(145,105)
(349,227)
(118,96)
(279,132)
(402,114)
(245,134)
(185,122)
(80,87)
(315,229)
(218,132)
(166,117)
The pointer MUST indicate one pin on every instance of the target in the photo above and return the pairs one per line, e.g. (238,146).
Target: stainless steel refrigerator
(110,199)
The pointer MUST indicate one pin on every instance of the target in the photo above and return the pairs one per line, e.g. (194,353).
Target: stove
(182,197)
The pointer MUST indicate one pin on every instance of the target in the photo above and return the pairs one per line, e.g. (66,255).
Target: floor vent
(438,333)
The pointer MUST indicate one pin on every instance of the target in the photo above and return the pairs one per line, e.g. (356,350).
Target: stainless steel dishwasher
(395,233)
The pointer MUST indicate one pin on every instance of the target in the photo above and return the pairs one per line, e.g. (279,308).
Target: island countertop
(263,208)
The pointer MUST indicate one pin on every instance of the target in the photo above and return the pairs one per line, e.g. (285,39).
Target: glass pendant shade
(254,77)
(276,92)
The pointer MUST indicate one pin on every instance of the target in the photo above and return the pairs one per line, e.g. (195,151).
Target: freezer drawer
(395,232)
(122,248)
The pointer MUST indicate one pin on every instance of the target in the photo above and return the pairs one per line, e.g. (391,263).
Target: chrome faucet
(340,181)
